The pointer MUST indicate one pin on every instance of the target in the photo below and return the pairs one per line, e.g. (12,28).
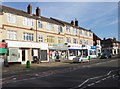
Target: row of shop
(21,52)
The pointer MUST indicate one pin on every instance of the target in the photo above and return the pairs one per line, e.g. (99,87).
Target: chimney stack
(72,22)
(76,22)
(38,11)
(29,9)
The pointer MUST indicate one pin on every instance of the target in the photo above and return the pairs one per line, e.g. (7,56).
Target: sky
(100,17)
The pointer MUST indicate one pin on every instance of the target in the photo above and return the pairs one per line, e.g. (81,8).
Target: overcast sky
(100,17)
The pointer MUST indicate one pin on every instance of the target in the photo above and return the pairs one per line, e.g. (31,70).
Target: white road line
(98,81)
(104,78)
(91,84)
(83,83)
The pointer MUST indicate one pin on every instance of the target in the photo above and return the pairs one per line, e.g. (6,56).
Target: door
(23,54)
(43,55)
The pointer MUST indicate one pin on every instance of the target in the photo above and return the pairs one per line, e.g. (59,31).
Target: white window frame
(11,18)
(40,38)
(12,35)
(28,22)
(28,36)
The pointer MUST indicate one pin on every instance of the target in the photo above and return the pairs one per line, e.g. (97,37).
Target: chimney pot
(29,9)
(38,11)
(76,22)
(72,22)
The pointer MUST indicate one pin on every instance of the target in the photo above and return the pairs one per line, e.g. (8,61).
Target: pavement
(22,67)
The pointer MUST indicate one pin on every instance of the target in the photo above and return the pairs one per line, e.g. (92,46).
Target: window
(50,26)
(11,35)
(28,22)
(28,37)
(75,40)
(60,29)
(50,39)
(40,38)
(80,32)
(74,31)
(85,42)
(60,40)
(86,33)
(11,18)
(80,41)
(68,29)
(40,24)
(90,34)
(68,39)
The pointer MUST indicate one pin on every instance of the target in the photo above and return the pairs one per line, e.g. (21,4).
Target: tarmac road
(98,73)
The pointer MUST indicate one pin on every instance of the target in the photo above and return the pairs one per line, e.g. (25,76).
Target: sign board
(3,44)
(93,47)
(3,50)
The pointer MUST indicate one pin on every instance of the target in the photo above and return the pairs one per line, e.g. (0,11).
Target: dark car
(105,55)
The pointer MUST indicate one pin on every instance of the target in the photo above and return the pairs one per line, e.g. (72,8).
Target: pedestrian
(57,55)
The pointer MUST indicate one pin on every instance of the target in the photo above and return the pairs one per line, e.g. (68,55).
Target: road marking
(98,81)
(83,83)
(91,84)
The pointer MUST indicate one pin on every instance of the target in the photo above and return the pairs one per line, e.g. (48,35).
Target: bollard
(28,64)
(89,58)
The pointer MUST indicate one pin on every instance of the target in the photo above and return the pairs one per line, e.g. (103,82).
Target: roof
(23,13)
(42,18)
(96,37)
(67,23)
(111,40)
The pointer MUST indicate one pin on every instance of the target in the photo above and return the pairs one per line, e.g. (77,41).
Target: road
(95,74)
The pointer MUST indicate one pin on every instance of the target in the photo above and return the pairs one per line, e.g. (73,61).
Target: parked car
(105,55)
(71,57)
(80,59)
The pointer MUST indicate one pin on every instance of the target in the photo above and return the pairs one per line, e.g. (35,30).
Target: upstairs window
(81,32)
(50,26)
(40,38)
(60,29)
(11,18)
(74,31)
(40,24)
(50,39)
(28,22)
(68,39)
(11,35)
(28,36)
(80,41)
(60,40)
(68,29)
(75,40)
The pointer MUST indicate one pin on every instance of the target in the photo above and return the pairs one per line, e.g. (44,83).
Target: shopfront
(21,52)
(77,50)
(60,49)
(92,51)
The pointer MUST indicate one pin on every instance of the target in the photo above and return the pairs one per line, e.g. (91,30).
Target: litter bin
(28,64)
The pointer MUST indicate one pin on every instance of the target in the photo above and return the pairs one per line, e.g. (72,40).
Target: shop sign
(3,50)
(93,47)
(3,45)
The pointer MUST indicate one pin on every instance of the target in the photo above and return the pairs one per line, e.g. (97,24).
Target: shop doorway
(23,54)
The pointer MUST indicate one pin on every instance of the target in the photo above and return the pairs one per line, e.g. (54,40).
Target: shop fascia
(58,46)
(77,46)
